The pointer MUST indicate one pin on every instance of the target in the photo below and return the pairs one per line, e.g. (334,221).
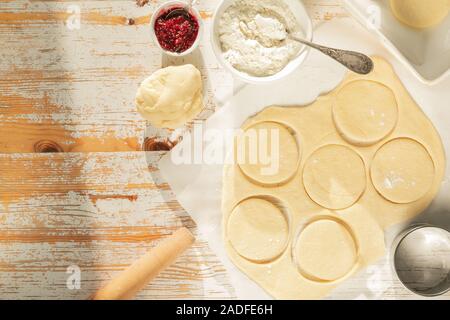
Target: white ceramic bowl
(165,6)
(299,11)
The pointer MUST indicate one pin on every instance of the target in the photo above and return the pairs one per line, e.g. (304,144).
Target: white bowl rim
(155,15)
(294,64)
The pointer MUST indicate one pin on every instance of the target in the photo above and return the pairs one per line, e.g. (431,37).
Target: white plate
(425,52)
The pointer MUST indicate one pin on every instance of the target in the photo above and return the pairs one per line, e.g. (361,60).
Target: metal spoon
(355,61)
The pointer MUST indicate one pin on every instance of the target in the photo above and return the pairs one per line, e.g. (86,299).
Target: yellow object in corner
(420,14)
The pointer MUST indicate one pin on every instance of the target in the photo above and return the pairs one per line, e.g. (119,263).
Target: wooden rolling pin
(128,283)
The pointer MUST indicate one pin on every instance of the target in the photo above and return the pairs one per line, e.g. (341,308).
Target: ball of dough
(171,96)
(420,13)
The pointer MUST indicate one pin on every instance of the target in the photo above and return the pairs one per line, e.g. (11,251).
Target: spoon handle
(355,61)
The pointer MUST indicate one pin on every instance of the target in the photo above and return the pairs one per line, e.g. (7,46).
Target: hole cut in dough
(402,170)
(334,176)
(325,250)
(268,153)
(258,230)
(365,112)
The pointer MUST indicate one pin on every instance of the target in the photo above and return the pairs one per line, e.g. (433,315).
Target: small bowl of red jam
(176,31)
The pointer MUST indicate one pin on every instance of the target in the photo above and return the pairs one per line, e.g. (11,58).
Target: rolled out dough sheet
(369,159)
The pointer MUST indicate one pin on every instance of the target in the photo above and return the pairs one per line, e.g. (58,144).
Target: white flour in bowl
(253,36)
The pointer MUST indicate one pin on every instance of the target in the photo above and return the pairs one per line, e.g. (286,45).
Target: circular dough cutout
(325,250)
(334,177)
(365,112)
(258,230)
(419,13)
(402,170)
(268,153)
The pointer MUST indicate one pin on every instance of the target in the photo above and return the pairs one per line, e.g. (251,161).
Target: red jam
(176,33)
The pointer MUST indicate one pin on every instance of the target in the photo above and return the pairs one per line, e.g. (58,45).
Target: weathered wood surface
(72,90)
(100,211)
